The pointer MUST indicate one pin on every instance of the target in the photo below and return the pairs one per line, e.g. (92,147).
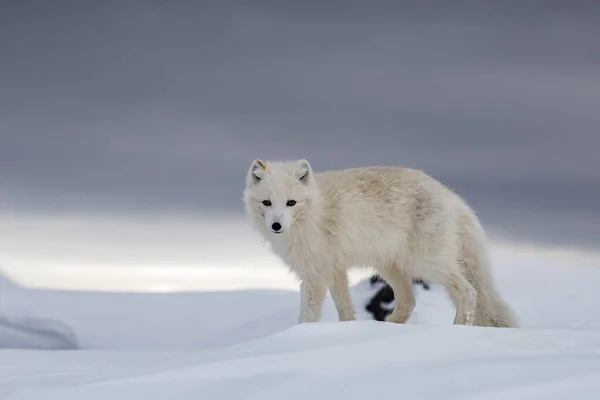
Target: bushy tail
(491,310)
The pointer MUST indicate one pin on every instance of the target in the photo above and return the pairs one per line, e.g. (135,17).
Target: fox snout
(278,221)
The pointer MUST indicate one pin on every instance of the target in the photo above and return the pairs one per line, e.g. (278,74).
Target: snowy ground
(243,343)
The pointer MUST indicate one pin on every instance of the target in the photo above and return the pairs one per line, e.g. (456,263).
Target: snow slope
(189,345)
(35,333)
(355,360)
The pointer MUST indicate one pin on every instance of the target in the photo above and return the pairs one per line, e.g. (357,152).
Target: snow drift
(188,345)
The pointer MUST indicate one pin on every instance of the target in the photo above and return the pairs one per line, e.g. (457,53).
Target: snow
(340,360)
(35,333)
(243,343)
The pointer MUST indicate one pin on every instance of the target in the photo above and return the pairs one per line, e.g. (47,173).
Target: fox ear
(256,171)
(304,171)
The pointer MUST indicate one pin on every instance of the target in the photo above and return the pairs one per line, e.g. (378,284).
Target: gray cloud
(162,105)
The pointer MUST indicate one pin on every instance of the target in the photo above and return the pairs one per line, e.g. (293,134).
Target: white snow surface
(245,344)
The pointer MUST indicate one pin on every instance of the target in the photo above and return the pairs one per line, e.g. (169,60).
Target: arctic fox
(400,221)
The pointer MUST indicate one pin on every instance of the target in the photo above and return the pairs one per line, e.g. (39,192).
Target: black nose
(276,226)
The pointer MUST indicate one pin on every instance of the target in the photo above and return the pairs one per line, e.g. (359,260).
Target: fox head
(279,195)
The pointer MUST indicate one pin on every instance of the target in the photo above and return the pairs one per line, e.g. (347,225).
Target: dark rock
(385,295)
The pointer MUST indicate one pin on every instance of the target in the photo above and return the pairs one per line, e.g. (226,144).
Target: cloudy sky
(159,107)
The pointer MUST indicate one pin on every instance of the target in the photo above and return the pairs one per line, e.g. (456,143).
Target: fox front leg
(312,297)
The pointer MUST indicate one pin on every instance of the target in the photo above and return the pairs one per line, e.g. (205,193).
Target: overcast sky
(155,106)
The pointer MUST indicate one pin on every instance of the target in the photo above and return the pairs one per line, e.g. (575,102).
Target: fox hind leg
(401,285)
(463,295)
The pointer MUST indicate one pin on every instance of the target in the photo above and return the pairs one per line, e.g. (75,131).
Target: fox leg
(340,293)
(464,296)
(401,285)
(312,296)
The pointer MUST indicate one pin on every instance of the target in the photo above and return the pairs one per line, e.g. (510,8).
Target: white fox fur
(400,221)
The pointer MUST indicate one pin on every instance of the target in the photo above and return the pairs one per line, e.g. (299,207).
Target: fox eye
(291,203)
(267,203)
